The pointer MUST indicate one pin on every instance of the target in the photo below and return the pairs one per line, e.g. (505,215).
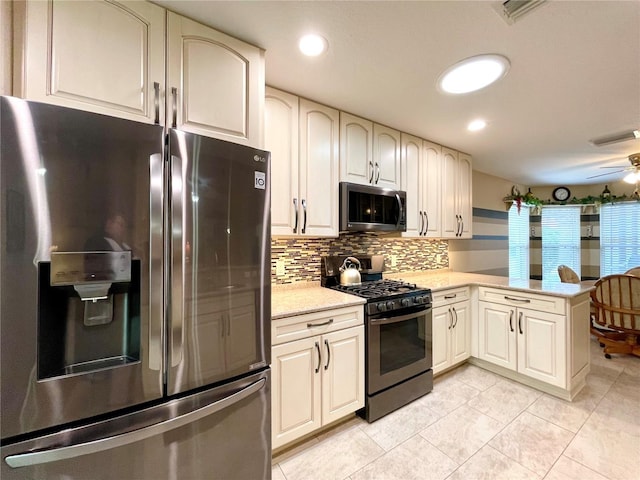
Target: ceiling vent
(513,10)
(616,138)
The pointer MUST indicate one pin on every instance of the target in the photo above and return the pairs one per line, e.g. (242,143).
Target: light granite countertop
(306,297)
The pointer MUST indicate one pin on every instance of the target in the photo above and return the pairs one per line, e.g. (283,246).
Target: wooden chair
(567,275)
(633,271)
(616,303)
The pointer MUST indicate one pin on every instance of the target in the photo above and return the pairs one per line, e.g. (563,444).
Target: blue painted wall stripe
(485,213)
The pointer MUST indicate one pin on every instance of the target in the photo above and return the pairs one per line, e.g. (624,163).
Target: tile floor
(477,425)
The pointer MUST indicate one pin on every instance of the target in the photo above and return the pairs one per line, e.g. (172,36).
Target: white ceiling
(575,74)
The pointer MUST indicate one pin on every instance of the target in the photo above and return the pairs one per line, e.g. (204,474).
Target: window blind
(619,237)
(560,240)
(519,243)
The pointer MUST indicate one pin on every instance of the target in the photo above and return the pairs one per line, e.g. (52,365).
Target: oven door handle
(399,318)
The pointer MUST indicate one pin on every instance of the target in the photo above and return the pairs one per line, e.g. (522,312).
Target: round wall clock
(561,194)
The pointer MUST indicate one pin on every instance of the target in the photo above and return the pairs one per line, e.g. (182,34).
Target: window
(619,237)
(560,240)
(519,243)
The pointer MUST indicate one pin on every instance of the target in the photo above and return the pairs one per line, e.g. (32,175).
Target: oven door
(399,347)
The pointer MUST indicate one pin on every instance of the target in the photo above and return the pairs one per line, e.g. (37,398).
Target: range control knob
(390,305)
(404,302)
(382,307)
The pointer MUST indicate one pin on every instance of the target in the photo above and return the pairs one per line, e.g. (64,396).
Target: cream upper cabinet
(386,157)
(356,149)
(281,139)
(319,129)
(104,56)
(369,153)
(302,137)
(421,180)
(215,83)
(456,194)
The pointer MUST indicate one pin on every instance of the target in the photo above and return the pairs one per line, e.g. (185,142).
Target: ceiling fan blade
(619,166)
(603,174)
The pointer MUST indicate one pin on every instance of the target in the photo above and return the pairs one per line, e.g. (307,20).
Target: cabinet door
(319,146)
(541,346)
(296,383)
(464,195)
(101,56)
(386,157)
(431,192)
(497,331)
(411,167)
(442,321)
(461,332)
(219,82)
(450,216)
(281,139)
(356,156)
(343,373)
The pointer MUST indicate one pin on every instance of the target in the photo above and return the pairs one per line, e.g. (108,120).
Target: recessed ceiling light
(476,125)
(312,45)
(473,73)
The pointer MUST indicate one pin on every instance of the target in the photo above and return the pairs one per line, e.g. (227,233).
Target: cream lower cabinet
(451,329)
(319,378)
(526,333)
(302,137)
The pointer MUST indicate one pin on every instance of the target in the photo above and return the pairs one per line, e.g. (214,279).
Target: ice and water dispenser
(88,312)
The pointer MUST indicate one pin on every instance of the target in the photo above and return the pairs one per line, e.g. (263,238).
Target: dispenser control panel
(73,268)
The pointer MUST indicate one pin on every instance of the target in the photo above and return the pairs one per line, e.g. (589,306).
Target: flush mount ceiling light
(477,125)
(312,45)
(473,73)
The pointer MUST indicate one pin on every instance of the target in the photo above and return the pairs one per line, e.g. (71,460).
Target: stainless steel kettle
(350,272)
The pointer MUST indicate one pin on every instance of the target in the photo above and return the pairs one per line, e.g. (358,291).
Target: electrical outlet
(279,267)
(394,260)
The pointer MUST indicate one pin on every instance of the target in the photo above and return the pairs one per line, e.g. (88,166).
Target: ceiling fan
(633,169)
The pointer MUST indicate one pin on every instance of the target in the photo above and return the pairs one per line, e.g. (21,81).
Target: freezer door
(219,324)
(81,265)
(223,433)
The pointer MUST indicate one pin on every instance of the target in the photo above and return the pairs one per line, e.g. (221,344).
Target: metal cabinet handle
(174,114)
(450,320)
(326,343)
(319,357)
(456,314)
(447,297)
(378,175)
(457,224)
(328,322)
(156,102)
(511,321)
(304,210)
(426,228)
(520,323)
(295,207)
(515,299)
(101,444)
(421,224)
(372,172)
(461,225)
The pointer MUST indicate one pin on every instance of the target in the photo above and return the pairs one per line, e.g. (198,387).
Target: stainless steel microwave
(368,208)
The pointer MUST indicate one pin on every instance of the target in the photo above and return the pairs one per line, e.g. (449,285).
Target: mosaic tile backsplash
(302,256)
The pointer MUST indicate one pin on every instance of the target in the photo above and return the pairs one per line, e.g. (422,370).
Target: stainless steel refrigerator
(135,300)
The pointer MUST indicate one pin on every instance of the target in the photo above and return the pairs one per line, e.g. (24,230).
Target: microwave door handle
(398,319)
(400,209)
(104,443)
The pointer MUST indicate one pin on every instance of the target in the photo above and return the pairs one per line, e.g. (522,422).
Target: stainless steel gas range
(398,332)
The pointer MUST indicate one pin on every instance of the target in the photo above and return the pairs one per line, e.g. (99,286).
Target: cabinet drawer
(451,295)
(532,301)
(302,326)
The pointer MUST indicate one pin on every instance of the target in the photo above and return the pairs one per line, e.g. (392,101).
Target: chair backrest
(633,271)
(616,302)
(567,275)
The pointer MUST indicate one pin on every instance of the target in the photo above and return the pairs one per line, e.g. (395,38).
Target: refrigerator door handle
(178,191)
(156,249)
(107,443)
